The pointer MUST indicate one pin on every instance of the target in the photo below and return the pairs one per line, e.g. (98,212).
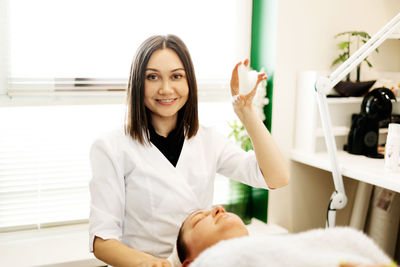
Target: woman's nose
(217,210)
(165,88)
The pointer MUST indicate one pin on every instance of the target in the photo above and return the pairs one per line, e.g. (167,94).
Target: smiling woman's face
(166,88)
(204,228)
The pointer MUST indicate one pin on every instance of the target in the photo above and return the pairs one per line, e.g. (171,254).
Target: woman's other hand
(115,253)
(241,102)
(155,262)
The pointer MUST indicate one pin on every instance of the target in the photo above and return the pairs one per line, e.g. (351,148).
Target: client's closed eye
(199,217)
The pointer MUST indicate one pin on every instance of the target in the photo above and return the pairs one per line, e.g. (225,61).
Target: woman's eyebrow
(151,69)
(178,69)
(156,70)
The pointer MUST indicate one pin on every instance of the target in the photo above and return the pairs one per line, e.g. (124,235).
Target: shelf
(395,35)
(356,167)
(348,100)
(344,100)
(343,131)
(337,131)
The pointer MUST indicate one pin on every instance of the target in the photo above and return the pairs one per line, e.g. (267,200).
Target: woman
(148,178)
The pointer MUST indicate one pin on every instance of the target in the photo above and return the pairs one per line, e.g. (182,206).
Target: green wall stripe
(263,40)
(262,55)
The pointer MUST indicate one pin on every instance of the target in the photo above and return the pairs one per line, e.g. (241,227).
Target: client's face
(204,228)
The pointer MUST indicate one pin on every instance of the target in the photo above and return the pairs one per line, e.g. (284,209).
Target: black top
(171,146)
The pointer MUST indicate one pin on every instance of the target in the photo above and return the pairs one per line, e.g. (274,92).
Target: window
(44,160)
(84,46)
(55,42)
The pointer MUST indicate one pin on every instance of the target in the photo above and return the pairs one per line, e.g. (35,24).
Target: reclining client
(219,238)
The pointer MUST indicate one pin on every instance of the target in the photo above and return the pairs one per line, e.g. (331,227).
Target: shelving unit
(310,148)
(309,133)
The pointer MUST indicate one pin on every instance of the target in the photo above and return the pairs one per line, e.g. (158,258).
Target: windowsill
(56,246)
(95,98)
(206,93)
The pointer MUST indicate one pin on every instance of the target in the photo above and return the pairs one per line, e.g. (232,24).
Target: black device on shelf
(364,132)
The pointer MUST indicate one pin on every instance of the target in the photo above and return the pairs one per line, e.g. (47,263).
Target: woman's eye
(151,77)
(177,76)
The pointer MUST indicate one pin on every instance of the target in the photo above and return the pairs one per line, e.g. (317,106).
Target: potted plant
(349,88)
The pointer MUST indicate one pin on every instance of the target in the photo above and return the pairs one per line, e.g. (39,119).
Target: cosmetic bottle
(392,149)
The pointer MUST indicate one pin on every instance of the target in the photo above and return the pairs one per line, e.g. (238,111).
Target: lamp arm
(322,86)
(330,143)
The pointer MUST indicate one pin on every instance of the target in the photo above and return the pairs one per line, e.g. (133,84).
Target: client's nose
(217,210)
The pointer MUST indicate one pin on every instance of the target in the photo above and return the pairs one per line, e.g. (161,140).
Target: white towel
(174,259)
(319,247)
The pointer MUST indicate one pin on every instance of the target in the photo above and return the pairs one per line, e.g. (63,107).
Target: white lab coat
(141,199)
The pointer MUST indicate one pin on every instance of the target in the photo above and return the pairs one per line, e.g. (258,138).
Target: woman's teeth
(166,100)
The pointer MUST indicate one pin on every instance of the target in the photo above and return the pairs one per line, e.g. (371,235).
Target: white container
(392,149)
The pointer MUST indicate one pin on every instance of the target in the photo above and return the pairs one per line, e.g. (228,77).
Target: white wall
(3,46)
(305,41)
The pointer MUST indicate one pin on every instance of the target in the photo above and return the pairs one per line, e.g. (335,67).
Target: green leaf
(364,35)
(336,61)
(342,33)
(376,49)
(341,58)
(368,63)
(343,45)
(361,34)
(240,135)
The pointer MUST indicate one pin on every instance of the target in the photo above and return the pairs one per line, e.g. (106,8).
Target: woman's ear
(186,263)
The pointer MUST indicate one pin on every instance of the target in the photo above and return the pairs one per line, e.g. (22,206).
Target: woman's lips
(166,102)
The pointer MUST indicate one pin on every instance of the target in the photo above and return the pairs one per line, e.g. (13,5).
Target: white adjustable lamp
(322,86)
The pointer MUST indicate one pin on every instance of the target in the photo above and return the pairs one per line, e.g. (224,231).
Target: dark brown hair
(137,115)
(181,247)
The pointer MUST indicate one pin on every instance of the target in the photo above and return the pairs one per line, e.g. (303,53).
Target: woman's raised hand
(241,101)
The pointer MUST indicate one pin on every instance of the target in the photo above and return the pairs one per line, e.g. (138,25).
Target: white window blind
(68,44)
(44,160)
